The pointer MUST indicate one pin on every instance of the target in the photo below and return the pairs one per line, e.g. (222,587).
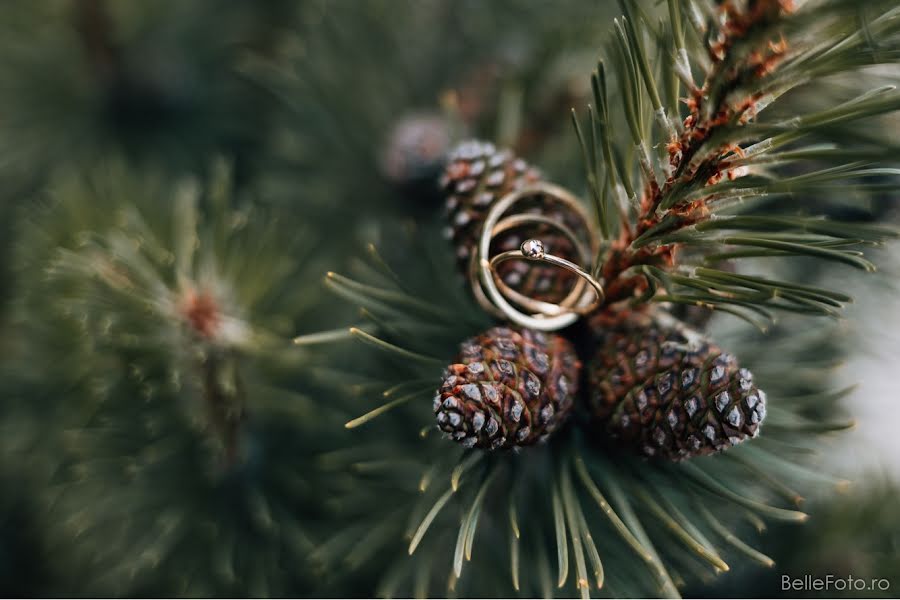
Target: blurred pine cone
(414,154)
(478,175)
(666,393)
(508,388)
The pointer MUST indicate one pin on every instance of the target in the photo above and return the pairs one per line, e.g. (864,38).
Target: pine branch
(722,161)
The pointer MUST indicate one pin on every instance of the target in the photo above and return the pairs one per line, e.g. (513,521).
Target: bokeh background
(260,144)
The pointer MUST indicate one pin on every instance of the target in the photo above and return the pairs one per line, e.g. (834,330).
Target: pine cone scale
(509,388)
(476,177)
(667,397)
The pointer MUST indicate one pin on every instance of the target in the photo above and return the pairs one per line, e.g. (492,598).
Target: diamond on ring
(533,249)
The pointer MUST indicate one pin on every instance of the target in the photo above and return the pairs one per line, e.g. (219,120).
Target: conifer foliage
(171,427)
(184,410)
(690,163)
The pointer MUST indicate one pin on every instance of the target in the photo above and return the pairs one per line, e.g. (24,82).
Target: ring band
(530,303)
(533,250)
(547,316)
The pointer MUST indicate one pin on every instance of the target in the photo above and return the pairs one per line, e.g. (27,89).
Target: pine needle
(514,559)
(464,465)
(391,391)
(562,546)
(791,469)
(363,300)
(422,575)
(780,487)
(705,481)
(593,554)
(468,525)
(620,527)
(513,517)
(390,297)
(581,581)
(384,267)
(391,348)
(543,569)
(322,337)
(381,410)
(381,533)
(429,518)
(582,542)
(676,528)
(755,521)
(732,539)
(427,477)
(475,512)
(668,587)
(459,549)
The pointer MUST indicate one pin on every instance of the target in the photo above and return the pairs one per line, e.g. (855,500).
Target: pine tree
(176,426)
(676,191)
(178,176)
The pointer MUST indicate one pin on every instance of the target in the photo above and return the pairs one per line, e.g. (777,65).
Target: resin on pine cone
(664,395)
(478,175)
(508,388)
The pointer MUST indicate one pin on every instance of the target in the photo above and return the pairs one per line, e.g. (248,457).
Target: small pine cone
(666,396)
(415,152)
(477,175)
(509,388)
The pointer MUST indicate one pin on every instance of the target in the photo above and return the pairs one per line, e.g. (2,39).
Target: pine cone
(414,154)
(666,396)
(508,388)
(478,175)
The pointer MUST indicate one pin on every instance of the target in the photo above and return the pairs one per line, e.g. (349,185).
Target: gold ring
(533,250)
(495,295)
(548,308)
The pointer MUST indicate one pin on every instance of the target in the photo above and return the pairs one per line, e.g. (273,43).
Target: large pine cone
(509,387)
(477,175)
(664,396)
